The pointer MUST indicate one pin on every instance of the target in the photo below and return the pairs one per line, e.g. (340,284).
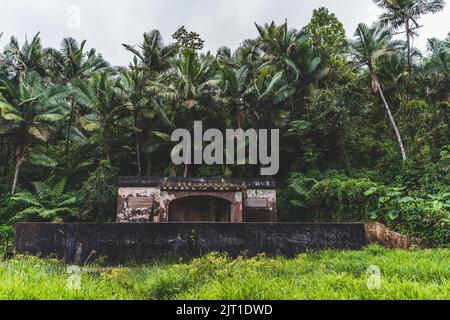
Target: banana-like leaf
(39,159)
(12,117)
(90,125)
(162,135)
(40,133)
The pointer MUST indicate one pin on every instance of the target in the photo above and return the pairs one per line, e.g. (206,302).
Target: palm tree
(132,87)
(30,109)
(232,83)
(187,82)
(73,62)
(406,13)
(271,87)
(370,45)
(439,62)
(101,96)
(288,50)
(70,64)
(187,86)
(277,42)
(20,60)
(153,54)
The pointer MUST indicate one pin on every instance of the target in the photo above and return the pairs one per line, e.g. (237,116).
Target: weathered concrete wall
(143,241)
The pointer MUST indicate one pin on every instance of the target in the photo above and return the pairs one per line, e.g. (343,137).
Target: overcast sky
(106,24)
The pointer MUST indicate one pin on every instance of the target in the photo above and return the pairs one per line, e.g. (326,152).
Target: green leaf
(40,133)
(89,125)
(383,199)
(298,203)
(370,191)
(69,202)
(406,200)
(162,135)
(373,214)
(39,159)
(393,214)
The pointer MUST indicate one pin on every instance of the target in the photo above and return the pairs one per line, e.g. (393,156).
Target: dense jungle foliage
(364,122)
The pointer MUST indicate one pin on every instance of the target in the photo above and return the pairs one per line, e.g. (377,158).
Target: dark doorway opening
(200,209)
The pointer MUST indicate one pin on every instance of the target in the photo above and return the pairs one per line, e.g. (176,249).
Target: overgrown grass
(418,274)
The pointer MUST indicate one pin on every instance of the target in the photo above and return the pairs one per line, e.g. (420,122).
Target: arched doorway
(200,209)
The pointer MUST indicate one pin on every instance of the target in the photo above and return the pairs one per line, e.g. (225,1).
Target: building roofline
(164,182)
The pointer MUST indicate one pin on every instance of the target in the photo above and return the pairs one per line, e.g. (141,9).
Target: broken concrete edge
(378,233)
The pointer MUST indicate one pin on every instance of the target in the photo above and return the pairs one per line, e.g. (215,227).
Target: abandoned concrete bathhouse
(195,200)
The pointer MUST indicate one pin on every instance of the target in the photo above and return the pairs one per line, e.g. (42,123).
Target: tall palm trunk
(391,117)
(21,151)
(408,45)
(69,126)
(105,145)
(138,149)
(138,154)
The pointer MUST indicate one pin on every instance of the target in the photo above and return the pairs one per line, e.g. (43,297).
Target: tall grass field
(416,274)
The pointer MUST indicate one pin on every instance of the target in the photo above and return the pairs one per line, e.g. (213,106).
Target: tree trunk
(8,154)
(391,118)
(69,128)
(408,44)
(138,150)
(138,154)
(186,167)
(20,159)
(104,143)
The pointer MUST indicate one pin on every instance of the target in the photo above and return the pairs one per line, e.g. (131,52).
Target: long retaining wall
(84,242)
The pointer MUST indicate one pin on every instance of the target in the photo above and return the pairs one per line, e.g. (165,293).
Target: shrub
(6,235)
(360,199)
(334,199)
(99,193)
(48,203)
(427,218)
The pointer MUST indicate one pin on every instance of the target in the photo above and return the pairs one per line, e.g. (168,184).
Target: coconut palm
(406,13)
(370,45)
(30,107)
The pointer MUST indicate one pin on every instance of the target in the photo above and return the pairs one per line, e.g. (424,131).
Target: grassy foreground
(418,274)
